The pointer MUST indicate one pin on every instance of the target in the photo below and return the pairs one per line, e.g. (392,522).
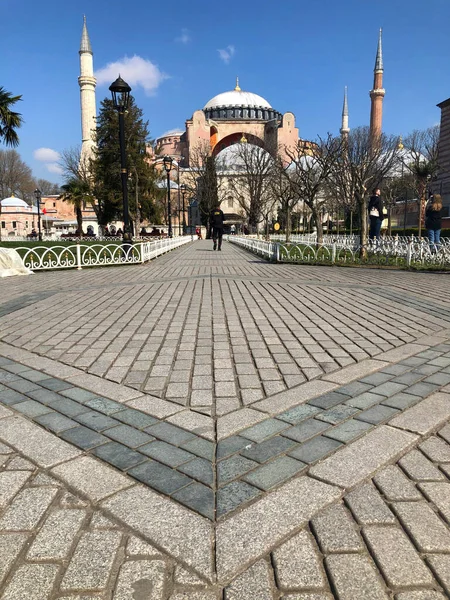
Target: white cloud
(226,54)
(46,155)
(136,71)
(54,168)
(172,131)
(184,38)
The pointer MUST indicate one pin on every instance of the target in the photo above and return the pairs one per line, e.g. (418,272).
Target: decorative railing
(386,252)
(78,256)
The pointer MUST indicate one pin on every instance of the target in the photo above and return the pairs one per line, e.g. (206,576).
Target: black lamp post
(120,91)
(168,160)
(183,189)
(38,196)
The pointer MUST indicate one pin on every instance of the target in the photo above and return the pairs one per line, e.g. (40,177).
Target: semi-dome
(235,158)
(14,202)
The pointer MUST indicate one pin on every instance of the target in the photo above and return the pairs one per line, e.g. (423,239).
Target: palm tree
(9,120)
(76,192)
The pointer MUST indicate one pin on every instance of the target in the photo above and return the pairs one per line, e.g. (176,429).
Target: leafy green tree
(208,196)
(10,121)
(105,167)
(76,192)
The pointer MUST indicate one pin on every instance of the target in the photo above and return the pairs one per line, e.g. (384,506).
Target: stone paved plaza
(213,426)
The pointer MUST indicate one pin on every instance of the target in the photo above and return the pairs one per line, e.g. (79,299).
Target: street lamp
(120,91)
(168,160)
(38,196)
(183,189)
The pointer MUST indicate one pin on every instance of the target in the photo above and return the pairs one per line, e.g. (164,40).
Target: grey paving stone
(33,375)
(141,577)
(413,361)
(91,563)
(166,453)
(55,422)
(96,421)
(421,389)
(119,456)
(10,397)
(396,557)
(429,532)
(135,418)
(355,389)
(83,438)
(328,400)
(32,409)
(377,414)
(56,536)
(27,509)
(159,477)
(426,415)
(395,369)
(198,497)
(275,472)
(44,396)
(33,582)
(298,565)
(348,431)
(377,378)
(56,385)
(68,407)
(438,379)
(388,389)
(231,445)
(401,401)
(133,438)
(365,400)
(298,414)
(255,582)
(234,494)
(79,394)
(5,377)
(268,449)
(439,494)
(263,430)
(355,576)
(233,467)
(408,378)
(199,469)
(419,468)
(368,507)
(11,545)
(440,565)
(23,386)
(420,595)
(353,463)
(394,484)
(436,450)
(305,430)
(336,532)
(443,433)
(105,406)
(200,447)
(10,484)
(314,449)
(170,433)
(338,413)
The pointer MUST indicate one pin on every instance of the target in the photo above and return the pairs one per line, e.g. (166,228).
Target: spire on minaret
(85,45)
(379,58)
(345,130)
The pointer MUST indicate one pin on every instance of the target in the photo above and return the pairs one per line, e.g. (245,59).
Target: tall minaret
(377,95)
(345,129)
(87,83)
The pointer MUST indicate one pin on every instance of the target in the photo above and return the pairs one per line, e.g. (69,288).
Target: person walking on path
(216,224)
(376,215)
(433,220)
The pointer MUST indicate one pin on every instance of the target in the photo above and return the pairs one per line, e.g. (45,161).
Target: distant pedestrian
(233,229)
(216,224)
(376,214)
(433,220)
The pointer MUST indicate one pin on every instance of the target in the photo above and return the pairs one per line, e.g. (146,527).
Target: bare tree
(362,166)
(420,157)
(310,173)
(48,188)
(249,175)
(16,177)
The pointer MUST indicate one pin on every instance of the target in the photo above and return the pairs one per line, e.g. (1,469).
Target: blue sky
(298,55)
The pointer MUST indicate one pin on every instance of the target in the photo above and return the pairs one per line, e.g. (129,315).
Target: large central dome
(237,97)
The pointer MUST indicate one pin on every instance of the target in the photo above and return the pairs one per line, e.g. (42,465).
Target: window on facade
(230,202)
(54,204)
(26,224)
(3,224)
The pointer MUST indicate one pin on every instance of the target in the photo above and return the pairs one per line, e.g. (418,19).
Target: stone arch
(235,138)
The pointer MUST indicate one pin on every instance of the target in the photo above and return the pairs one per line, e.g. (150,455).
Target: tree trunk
(389,220)
(318,222)
(362,226)
(79,214)
(351,222)
(288,224)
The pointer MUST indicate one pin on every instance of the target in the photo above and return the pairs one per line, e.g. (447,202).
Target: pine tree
(207,191)
(143,176)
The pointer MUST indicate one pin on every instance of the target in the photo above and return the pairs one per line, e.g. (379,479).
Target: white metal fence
(401,252)
(78,256)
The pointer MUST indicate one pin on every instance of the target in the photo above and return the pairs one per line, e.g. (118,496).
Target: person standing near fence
(433,220)
(216,223)
(376,214)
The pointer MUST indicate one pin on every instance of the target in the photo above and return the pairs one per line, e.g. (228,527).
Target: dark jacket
(216,219)
(376,202)
(433,218)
